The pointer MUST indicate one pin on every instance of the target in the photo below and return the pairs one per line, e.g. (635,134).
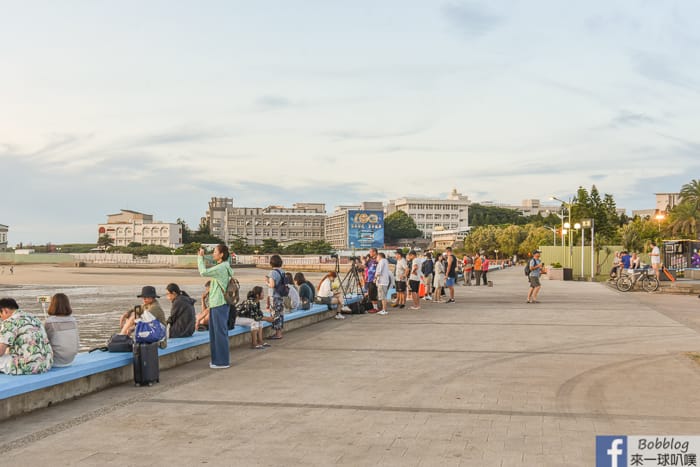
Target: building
(431,214)
(441,239)
(303,222)
(360,226)
(3,236)
(135,227)
(667,201)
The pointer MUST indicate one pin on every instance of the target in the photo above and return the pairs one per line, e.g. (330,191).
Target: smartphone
(43,299)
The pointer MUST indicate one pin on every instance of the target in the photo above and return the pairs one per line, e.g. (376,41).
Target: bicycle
(647,277)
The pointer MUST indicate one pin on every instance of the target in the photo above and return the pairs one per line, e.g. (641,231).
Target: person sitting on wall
(182,314)
(150,304)
(24,345)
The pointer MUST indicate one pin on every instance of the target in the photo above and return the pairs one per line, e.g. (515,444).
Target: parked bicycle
(647,278)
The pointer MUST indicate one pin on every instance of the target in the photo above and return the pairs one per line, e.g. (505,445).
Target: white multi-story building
(667,201)
(3,236)
(136,227)
(303,222)
(444,214)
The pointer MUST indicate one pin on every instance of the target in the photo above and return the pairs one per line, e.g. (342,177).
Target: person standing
(484,268)
(274,281)
(534,277)
(655,256)
(477,268)
(428,269)
(220,275)
(24,345)
(383,279)
(467,268)
(414,279)
(401,274)
(450,274)
(439,281)
(62,330)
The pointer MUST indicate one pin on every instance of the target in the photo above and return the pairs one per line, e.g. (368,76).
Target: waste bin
(568,274)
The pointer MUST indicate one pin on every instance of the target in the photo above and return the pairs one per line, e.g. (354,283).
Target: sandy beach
(52,275)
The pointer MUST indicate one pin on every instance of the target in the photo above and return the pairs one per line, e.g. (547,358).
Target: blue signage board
(365,229)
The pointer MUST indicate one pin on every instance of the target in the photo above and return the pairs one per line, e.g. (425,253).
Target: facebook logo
(611,451)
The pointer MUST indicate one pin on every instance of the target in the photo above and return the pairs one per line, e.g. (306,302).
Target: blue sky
(156,106)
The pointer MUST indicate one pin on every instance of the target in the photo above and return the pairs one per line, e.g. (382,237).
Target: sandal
(275,337)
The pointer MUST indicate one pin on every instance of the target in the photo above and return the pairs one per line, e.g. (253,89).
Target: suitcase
(146,369)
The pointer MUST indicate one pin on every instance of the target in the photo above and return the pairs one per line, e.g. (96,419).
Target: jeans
(477,276)
(483,276)
(218,335)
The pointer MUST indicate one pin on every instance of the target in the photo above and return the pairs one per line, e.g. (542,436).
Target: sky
(157,106)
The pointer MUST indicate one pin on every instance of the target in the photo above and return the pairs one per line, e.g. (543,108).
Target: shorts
(450,282)
(372,291)
(415,285)
(249,322)
(382,290)
(428,280)
(534,281)
(400,286)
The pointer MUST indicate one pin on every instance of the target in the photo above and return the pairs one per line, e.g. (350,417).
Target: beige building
(136,227)
(667,201)
(338,225)
(303,222)
(3,236)
(431,214)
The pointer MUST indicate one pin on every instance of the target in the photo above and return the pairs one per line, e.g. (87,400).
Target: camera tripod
(351,283)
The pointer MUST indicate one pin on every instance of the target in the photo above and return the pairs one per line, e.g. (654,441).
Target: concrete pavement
(490,380)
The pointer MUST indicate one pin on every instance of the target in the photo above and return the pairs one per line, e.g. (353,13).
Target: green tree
(509,239)
(480,215)
(191,248)
(105,242)
(240,246)
(400,225)
(482,239)
(683,220)
(690,193)
(270,245)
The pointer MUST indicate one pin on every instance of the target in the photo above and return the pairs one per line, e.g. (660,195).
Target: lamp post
(571,246)
(659,217)
(496,251)
(554,233)
(577,226)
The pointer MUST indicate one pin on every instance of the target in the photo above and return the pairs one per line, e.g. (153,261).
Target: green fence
(36,258)
(571,258)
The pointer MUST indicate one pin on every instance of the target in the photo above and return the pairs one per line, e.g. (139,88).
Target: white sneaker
(346,308)
(339,316)
(383,312)
(218,367)
(427,297)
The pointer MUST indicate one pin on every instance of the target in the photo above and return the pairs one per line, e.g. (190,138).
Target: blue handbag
(149,331)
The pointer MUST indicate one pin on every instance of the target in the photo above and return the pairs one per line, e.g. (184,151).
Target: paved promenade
(488,381)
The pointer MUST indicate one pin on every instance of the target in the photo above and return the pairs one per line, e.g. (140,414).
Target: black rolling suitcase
(146,369)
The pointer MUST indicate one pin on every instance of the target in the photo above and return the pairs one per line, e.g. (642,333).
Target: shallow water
(97,308)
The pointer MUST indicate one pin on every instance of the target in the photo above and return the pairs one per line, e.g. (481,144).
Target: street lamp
(659,217)
(577,226)
(496,251)
(568,227)
(554,233)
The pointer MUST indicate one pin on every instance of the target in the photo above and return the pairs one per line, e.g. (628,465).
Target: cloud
(661,69)
(342,135)
(471,20)
(631,119)
(272,102)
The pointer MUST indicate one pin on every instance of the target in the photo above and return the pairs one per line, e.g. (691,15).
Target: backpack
(281,287)
(427,267)
(527,269)
(231,294)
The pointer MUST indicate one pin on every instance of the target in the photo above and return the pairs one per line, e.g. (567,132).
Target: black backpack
(281,287)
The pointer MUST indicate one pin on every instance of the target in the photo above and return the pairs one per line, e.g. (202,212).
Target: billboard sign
(365,229)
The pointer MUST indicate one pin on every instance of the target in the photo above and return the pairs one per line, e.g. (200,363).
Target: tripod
(351,283)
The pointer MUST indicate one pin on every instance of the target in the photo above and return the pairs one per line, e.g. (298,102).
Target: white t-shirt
(416,270)
(401,266)
(655,255)
(383,275)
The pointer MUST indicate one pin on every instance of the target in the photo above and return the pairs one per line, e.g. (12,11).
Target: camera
(334,255)
(354,258)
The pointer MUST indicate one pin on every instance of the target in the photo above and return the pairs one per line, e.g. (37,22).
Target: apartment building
(3,236)
(303,222)
(357,226)
(430,214)
(136,227)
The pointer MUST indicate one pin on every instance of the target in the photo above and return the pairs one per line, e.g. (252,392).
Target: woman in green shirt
(218,308)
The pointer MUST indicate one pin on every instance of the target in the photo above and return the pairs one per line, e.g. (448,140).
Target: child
(250,314)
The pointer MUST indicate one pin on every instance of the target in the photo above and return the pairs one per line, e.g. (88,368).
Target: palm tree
(684,220)
(104,242)
(690,193)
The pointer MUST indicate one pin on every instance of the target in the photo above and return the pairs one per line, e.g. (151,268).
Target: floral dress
(30,350)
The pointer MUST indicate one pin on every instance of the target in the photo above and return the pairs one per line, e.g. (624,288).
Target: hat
(148,291)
